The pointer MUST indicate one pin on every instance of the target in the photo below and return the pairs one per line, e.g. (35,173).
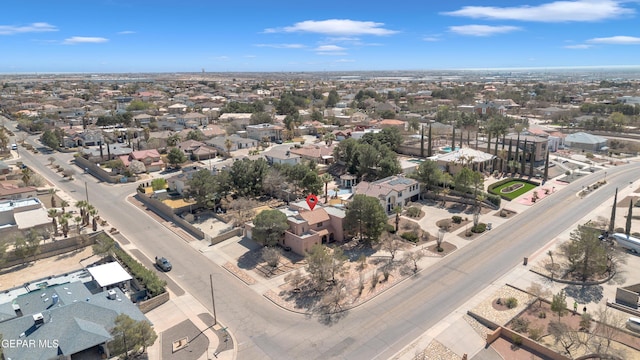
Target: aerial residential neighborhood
(175,217)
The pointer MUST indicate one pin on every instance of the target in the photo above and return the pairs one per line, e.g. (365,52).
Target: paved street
(392,320)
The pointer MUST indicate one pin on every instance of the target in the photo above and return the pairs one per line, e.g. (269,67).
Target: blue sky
(242,35)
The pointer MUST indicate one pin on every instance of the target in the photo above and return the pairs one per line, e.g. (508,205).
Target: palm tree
(228,145)
(53,214)
(173,139)
(52,192)
(94,218)
(326,179)
(78,221)
(64,222)
(82,205)
(26,176)
(64,204)
(87,213)
(329,138)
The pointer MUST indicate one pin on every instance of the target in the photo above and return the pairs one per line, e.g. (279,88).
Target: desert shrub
(456,219)
(520,325)
(517,340)
(480,228)
(535,333)
(413,211)
(409,236)
(567,172)
(542,315)
(390,228)
(511,302)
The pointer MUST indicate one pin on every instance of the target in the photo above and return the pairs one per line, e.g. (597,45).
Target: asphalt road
(375,330)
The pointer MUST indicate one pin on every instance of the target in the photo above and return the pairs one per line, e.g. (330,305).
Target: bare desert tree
(539,292)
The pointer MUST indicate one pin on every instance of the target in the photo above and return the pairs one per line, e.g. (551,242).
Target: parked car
(163,264)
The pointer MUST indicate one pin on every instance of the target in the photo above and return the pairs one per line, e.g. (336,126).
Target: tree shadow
(585,294)
(332,318)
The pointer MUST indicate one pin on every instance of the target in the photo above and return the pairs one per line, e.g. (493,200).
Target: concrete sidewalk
(457,335)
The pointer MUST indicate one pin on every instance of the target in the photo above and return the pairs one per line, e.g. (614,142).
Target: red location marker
(312,200)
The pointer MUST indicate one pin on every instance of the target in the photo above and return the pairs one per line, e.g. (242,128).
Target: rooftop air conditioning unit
(111,294)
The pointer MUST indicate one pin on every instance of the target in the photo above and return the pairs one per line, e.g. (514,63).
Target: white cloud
(84,40)
(578,46)
(329,48)
(34,27)
(616,40)
(345,61)
(482,30)
(282,46)
(336,27)
(557,11)
(431,38)
(126,32)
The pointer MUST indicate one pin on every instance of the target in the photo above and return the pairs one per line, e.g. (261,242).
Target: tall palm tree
(87,213)
(64,222)
(53,214)
(94,218)
(78,221)
(82,205)
(4,139)
(329,138)
(326,179)
(52,192)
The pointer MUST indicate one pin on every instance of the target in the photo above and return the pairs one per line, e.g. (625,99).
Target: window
(400,194)
(319,224)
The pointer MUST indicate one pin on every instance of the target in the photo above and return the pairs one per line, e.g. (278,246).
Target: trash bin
(525,261)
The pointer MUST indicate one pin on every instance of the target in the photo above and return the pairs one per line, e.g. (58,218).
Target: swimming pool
(448,148)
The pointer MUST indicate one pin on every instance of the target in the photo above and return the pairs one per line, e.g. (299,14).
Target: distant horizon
(531,69)
(162,36)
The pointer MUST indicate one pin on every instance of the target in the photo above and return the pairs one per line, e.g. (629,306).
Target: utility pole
(213,300)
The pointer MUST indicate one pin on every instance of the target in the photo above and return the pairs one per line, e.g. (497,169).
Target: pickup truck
(163,264)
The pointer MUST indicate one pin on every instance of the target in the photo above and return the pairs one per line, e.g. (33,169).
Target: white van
(14,147)
(633,324)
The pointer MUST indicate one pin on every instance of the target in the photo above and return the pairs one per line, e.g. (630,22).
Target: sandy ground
(55,265)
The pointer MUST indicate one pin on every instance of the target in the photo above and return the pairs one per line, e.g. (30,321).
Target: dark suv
(163,264)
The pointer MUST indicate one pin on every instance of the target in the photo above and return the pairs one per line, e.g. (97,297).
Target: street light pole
(86,191)
(213,300)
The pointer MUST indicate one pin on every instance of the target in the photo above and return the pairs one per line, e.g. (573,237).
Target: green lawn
(514,194)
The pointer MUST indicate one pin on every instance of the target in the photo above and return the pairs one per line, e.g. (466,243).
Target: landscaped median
(511,188)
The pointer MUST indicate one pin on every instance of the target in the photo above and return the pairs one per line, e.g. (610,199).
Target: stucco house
(392,191)
(309,227)
(454,161)
(150,159)
(262,131)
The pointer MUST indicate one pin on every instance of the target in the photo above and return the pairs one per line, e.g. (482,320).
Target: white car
(14,146)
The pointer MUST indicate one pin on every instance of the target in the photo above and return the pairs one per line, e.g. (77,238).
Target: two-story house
(265,131)
(392,191)
(309,227)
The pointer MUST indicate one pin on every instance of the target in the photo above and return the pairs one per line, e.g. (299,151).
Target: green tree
(27,174)
(247,176)
(311,183)
(586,255)
(196,135)
(159,184)
(269,226)
(323,264)
(50,139)
(202,187)
(260,118)
(429,174)
(464,179)
(176,157)
(559,304)
(332,99)
(53,214)
(365,217)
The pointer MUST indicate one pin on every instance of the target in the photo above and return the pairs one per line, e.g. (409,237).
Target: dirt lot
(55,265)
